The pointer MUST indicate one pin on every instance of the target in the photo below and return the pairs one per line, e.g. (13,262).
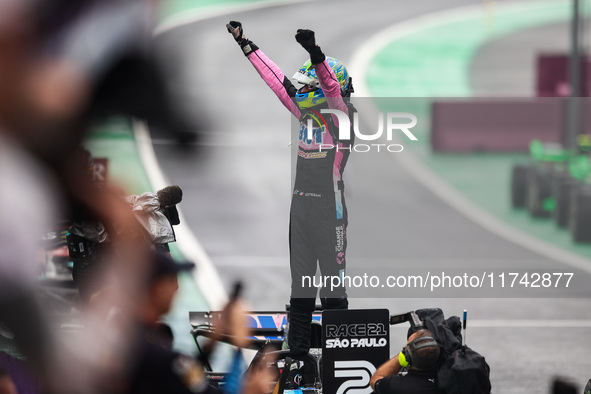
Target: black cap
(163,265)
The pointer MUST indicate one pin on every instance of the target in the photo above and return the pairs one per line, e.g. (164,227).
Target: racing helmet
(307,75)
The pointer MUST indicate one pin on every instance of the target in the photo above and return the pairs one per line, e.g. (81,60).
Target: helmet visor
(306,80)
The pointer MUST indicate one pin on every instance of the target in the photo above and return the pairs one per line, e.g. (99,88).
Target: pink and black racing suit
(318,218)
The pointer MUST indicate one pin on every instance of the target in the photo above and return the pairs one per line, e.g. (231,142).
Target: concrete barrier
(496,125)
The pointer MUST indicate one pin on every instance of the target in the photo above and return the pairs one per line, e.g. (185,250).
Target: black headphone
(408,355)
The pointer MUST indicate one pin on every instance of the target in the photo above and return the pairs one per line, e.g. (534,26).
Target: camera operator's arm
(390,367)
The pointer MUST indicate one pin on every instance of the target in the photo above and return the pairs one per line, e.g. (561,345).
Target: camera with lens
(412,317)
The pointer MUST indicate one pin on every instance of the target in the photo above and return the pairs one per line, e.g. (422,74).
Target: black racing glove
(307,40)
(235,28)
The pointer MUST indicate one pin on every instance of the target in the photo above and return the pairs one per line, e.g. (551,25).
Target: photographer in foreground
(413,370)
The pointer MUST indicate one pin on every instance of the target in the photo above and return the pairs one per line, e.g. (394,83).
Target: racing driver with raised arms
(318,218)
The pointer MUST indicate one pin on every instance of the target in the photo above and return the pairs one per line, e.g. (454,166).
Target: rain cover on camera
(146,209)
(91,230)
(459,372)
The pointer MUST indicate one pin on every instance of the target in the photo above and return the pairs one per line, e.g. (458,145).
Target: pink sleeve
(274,77)
(332,89)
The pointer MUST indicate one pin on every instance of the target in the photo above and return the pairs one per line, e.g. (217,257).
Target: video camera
(460,369)
(415,321)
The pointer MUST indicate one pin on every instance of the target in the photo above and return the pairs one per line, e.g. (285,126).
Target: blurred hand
(261,378)
(233,323)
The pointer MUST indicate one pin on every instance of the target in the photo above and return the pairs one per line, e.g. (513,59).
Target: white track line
(359,66)
(521,323)
(510,323)
(362,58)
